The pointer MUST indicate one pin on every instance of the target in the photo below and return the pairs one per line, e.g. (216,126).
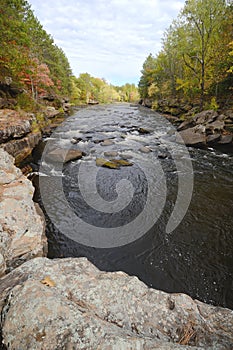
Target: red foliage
(37,77)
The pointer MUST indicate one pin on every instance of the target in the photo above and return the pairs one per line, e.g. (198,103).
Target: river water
(195,257)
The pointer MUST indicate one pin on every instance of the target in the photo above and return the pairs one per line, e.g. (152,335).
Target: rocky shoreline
(70,304)
(209,128)
(20,132)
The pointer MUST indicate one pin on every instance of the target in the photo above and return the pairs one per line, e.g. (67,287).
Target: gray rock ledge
(70,304)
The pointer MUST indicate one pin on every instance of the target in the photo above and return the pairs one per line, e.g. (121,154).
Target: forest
(195,65)
(33,67)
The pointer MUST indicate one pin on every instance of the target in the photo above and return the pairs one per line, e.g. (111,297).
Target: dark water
(196,258)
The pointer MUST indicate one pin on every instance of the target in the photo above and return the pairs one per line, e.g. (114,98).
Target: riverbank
(20,131)
(208,128)
(69,303)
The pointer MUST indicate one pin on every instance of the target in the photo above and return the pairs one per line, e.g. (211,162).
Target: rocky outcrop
(207,127)
(16,134)
(172,107)
(14,125)
(70,304)
(21,222)
(22,148)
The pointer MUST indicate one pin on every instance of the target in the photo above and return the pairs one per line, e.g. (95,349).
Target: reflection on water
(197,257)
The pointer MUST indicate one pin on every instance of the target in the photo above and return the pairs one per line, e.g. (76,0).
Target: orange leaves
(48,282)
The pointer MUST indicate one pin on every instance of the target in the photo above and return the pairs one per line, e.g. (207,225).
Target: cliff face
(16,136)
(21,225)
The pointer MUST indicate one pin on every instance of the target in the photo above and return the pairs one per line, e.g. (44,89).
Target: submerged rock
(143,131)
(107,142)
(111,154)
(70,304)
(21,222)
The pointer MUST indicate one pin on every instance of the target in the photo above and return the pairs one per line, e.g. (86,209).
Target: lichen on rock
(85,308)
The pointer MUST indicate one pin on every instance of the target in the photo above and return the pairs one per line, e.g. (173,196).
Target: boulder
(107,142)
(111,154)
(225,139)
(205,117)
(21,222)
(51,112)
(192,137)
(186,124)
(145,149)
(106,163)
(221,117)
(147,102)
(213,138)
(66,106)
(112,163)
(218,125)
(70,304)
(64,155)
(143,131)
(162,155)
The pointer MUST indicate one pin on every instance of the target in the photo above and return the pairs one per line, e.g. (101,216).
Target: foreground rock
(21,224)
(70,304)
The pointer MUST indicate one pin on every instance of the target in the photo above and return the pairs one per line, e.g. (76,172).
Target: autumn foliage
(28,54)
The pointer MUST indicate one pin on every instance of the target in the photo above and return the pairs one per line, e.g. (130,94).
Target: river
(195,257)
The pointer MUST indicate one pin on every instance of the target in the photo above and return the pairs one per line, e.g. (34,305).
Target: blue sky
(107,38)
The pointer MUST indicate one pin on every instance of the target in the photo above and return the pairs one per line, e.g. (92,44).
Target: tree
(203,20)
(148,75)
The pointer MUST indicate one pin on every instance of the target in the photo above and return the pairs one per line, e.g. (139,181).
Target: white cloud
(107,38)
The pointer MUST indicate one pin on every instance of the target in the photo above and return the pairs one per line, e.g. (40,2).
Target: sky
(107,38)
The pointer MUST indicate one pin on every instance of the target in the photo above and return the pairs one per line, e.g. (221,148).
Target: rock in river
(64,155)
(107,142)
(145,149)
(70,304)
(112,163)
(111,154)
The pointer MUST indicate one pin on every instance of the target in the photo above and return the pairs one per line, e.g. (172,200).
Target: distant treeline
(30,60)
(195,64)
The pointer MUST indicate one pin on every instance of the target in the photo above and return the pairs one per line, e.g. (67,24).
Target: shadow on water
(197,257)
